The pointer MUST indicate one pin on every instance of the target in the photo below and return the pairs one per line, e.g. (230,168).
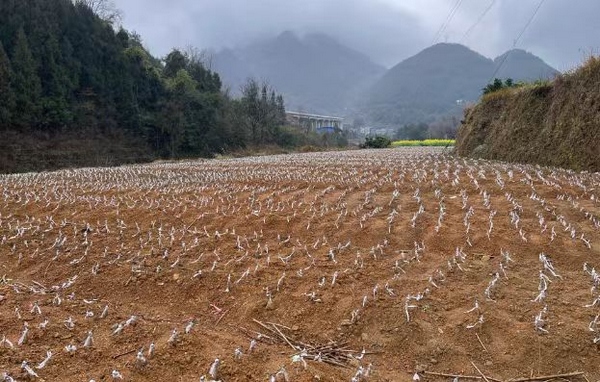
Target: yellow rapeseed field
(426,142)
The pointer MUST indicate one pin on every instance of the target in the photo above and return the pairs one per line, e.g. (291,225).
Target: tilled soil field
(387,265)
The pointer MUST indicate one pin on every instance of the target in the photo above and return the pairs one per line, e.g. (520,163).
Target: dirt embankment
(553,124)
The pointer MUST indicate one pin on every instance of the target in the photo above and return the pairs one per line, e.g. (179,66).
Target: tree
(26,83)
(174,62)
(207,80)
(262,111)
(6,94)
(499,85)
(65,70)
(123,38)
(56,86)
(105,9)
(281,109)
(250,108)
(176,124)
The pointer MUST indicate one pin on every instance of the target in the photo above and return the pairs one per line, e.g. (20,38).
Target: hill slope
(436,80)
(315,73)
(556,124)
(522,66)
(76,92)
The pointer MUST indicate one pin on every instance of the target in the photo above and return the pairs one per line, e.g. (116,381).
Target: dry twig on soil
(549,377)
(565,376)
(459,376)
(332,353)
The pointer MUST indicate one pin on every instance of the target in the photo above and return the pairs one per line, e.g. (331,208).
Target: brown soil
(135,239)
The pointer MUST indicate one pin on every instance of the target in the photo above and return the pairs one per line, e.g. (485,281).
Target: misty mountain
(521,65)
(314,73)
(439,80)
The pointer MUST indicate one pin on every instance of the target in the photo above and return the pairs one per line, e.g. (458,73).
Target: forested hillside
(75,91)
(441,79)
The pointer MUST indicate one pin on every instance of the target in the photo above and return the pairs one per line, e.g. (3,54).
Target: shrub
(499,85)
(376,142)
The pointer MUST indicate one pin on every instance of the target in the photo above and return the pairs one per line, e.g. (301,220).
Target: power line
(485,12)
(529,22)
(516,41)
(447,22)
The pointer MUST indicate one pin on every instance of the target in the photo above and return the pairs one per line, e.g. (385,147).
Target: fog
(563,32)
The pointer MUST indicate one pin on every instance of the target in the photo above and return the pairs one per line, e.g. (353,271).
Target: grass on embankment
(555,123)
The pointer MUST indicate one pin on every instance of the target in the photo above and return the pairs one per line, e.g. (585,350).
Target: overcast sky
(563,32)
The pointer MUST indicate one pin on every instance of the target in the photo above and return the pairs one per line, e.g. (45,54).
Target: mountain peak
(287,36)
(315,73)
(447,45)
(522,65)
(449,50)
(320,38)
(517,52)
(436,81)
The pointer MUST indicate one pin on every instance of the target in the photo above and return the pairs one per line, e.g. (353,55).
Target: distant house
(314,122)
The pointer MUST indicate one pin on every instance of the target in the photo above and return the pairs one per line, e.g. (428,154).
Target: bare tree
(105,9)
(204,56)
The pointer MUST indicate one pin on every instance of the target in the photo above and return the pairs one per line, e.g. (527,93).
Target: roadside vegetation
(376,142)
(424,142)
(498,84)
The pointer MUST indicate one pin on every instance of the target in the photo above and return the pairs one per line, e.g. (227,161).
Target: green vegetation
(425,142)
(499,85)
(376,142)
(73,91)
